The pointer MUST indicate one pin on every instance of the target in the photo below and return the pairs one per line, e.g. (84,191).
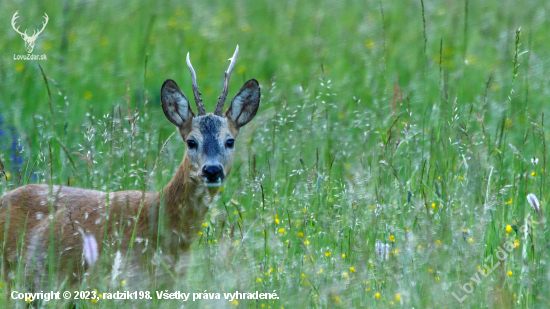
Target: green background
(410,119)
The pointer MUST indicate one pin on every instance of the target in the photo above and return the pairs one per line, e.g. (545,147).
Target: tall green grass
(410,123)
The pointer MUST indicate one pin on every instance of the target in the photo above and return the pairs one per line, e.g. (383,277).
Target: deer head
(210,138)
(29,40)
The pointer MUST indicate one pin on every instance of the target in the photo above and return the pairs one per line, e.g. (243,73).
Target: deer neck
(186,202)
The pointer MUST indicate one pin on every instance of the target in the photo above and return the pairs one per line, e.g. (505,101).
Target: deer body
(33,213)
(27,211)
(75,209)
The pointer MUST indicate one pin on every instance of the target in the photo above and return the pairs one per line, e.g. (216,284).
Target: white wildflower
(116,267)
(382,250)
(90,248)
(534,202)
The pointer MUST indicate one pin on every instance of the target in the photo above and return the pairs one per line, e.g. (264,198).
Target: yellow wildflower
(19,66)
(369,43)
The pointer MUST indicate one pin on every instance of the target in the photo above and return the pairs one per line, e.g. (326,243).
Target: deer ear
(244,105)
(174,104)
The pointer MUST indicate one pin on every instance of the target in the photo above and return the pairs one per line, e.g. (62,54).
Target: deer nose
(213,173)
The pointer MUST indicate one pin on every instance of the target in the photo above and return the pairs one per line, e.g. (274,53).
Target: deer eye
(191,144)
(230,143)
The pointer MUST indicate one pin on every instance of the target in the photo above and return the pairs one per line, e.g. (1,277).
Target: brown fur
(27,210)
(34,215)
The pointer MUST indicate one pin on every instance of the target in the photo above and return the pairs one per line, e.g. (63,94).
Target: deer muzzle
(213,175)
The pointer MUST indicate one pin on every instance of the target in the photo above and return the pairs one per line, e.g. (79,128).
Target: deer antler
(13,24)
(196,93)
(43,26)
(221,100)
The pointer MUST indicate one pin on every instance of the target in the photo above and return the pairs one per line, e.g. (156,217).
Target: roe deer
(122,220)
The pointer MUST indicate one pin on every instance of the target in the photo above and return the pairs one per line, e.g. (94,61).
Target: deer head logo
(29,40)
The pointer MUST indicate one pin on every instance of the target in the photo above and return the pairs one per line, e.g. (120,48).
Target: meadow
(388,166)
